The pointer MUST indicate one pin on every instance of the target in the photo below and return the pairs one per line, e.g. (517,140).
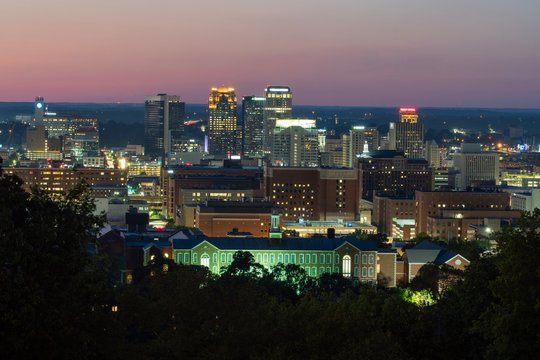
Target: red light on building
(407,110)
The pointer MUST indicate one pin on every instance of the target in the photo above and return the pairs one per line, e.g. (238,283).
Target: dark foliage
(56,300)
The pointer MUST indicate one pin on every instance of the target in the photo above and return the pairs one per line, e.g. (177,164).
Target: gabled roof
(321,244)
(426,252)
(421,256)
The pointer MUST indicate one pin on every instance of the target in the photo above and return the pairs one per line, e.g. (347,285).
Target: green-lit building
(360,260)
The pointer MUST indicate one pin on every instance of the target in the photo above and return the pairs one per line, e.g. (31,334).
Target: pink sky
(340,52)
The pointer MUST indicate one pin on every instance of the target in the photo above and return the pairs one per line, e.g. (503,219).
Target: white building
(473,164)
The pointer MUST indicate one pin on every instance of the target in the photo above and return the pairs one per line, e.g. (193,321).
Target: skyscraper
(253,116)
(359,137)
(278,106)
(295,143)
(474,165)
(407,135)
(223,137)
(162,114)
(39,110)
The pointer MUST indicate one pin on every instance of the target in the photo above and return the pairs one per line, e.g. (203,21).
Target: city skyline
(345,53)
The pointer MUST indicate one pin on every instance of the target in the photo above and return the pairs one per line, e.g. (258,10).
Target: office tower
(222,128)
(39,110)
(359,136)
(432,154)
(407,135)
(163,114)
(295,143)
(278,106)
(83,143)
(474,166)
(61,125)
(36,138)
(252,117)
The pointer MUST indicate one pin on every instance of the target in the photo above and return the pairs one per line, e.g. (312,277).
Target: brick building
(313,193)
(390,172)
(59,180)
(219,218)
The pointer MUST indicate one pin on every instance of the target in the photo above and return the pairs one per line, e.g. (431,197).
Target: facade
(407,135)
(463,204)
(36,139)
(252,119)
(432,154)
(59,126)
(163,119)
(295,143)
(219,218)
(227,181)
(387,210)
(323,228)
(427,252)
(60,180)
(526,201)
(223,135)
(390,172)
(278,105)
(361,261)
(314,194)
(474,165)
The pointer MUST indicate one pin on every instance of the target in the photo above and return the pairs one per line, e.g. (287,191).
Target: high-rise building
(252,118)
(278,106)
(407,135)
(359,136)
(295,143)
(222,128)
(432,154)
(163,114)
(474,165)
(39,110)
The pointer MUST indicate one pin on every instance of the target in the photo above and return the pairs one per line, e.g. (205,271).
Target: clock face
(39,105)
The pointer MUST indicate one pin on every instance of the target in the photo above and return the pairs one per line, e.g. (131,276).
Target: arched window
(205,260)
(346,266)
(356,259)
(194,260)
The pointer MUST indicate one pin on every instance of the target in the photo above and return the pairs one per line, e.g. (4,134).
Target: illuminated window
(205,260)
(346,266)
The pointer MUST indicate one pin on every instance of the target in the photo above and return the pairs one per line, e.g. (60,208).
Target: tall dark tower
(163,114)
(39,110)
(252,116)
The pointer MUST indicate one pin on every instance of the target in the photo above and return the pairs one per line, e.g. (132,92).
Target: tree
(56,298)
(437,279)
(510,324)
(244,265)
